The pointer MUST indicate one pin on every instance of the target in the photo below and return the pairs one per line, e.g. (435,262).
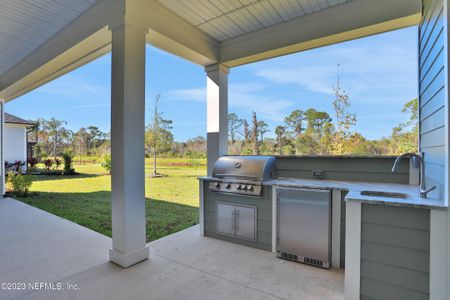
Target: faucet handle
(430,189)
(424,193)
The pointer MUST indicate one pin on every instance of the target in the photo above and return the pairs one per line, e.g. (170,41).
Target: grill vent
(305,260)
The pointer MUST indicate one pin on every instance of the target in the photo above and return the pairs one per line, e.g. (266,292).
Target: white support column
(439,260)
(127,149)
(352,250)
(217,113)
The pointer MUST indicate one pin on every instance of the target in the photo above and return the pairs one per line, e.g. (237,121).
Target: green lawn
(172,201)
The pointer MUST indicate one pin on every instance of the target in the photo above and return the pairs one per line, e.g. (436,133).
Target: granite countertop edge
(354,189)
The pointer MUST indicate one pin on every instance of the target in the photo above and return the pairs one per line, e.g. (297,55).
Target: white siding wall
(432,90)
(434,121)
(15,143)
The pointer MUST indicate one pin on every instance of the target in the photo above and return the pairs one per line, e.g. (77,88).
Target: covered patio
(45,39)
(38,247)
(212,34)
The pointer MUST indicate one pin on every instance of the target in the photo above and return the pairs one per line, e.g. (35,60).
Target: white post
(217,113)
(439,260)
(127,149)
(352,250)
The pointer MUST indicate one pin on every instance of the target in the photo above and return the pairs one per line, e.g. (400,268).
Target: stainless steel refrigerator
(304,225)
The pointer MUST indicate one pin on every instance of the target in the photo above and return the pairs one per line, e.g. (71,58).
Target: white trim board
(336,202)
(438,254)
(274,219)
(201,207)
(352,250)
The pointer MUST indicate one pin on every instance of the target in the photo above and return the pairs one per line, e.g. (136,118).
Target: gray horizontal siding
(432,91)
(351,168)
(264,216)
(344,168)
(395,247)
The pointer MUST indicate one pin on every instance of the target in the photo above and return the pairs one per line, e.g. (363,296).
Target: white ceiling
(34,49)
(225,19)
(26,24)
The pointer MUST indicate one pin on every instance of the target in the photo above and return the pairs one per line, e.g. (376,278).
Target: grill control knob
(228,186)
(249,187)
(239,187)
(216,184)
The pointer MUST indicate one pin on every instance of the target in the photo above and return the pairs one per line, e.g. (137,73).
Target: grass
(171,201)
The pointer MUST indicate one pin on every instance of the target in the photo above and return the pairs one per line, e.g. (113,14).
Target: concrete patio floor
(38,247)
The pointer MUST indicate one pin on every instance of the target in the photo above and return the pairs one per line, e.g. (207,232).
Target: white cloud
(72,87)
(367,72)
(251,97)
(193,94)
(241,96)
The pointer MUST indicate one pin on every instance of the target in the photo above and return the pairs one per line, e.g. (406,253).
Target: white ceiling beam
(82,53)
(351,20)
(81,28)
(174,34)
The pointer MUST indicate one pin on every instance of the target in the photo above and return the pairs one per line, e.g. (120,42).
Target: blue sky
(379,73)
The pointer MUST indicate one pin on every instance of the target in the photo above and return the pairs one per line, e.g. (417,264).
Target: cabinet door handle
(237,219)
(233,219)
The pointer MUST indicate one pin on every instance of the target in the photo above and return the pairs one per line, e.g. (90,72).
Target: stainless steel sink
(384,194)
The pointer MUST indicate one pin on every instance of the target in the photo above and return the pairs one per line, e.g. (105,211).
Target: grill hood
(249,168)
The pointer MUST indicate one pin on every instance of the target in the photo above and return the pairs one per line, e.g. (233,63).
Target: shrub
(106,162)
(32,162)
(20,184)
(18,164)
(48,163)
(67,157)
(57,163)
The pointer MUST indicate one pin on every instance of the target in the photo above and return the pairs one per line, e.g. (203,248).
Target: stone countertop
(355,188)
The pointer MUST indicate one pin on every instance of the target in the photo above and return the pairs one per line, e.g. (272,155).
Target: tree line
(313,132)
(52,138)
(303,132)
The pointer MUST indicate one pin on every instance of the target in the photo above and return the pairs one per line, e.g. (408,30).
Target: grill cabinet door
(245,222)
(226,219)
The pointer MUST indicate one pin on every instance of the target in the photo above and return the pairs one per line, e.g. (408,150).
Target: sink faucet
(418,162)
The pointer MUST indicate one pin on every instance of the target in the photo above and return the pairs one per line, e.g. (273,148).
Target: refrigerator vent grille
(305,260)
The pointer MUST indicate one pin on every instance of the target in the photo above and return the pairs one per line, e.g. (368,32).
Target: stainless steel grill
(242,174)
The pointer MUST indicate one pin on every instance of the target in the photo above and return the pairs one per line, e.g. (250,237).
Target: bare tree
(158,136)
(255,134)
(234,124)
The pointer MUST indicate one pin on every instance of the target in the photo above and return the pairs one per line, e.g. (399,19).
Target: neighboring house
(16,138)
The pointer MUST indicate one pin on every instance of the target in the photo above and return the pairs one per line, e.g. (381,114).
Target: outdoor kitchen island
(369,233)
